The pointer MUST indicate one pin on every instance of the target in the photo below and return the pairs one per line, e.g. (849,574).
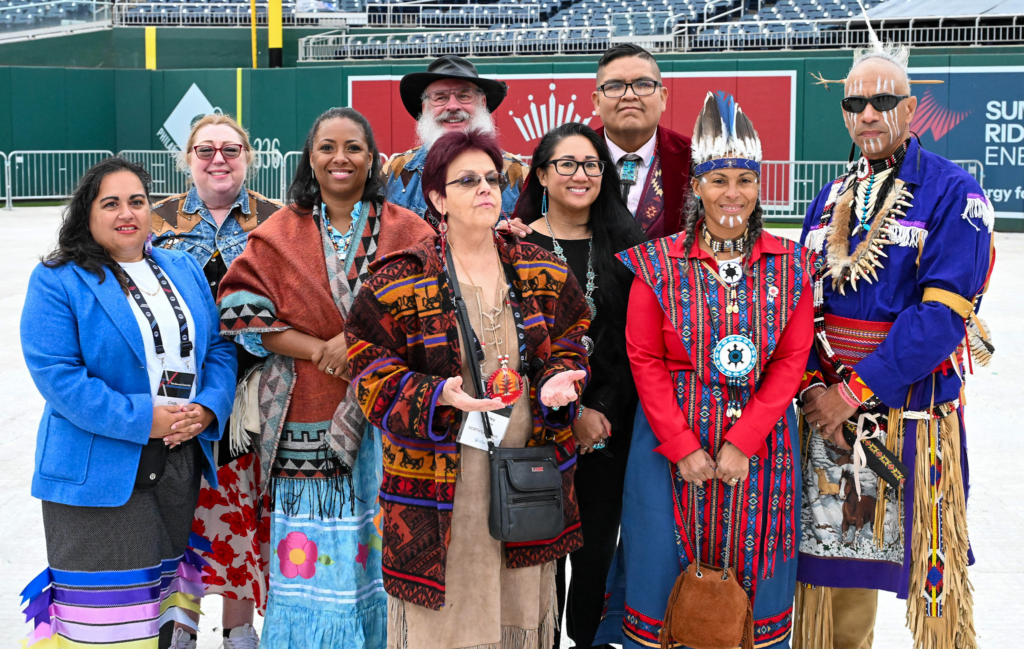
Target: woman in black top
(572,203)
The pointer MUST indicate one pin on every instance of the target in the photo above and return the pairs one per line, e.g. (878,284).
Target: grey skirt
(117,574)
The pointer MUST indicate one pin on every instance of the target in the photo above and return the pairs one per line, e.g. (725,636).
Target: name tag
(175,388)
(472,432)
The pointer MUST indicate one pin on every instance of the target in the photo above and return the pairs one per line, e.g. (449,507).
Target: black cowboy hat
(448,66)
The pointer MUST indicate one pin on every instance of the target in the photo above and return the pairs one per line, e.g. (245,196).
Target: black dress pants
(599,482)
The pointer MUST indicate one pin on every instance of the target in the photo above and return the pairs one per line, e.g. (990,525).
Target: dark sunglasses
(880,103)
(469,181)
(566,167)
(206,152)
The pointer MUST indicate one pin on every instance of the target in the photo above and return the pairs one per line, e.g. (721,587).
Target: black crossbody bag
(526,485)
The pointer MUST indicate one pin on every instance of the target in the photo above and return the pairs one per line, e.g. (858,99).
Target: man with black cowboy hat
(449,96)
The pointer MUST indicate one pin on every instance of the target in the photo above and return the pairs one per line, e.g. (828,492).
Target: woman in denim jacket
(212,222)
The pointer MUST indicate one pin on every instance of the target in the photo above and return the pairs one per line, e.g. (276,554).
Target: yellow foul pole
(252,8)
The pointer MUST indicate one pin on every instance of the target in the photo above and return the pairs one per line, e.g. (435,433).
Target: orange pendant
(505,384)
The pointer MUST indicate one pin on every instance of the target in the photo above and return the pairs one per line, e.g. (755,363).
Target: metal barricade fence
(48,174)
(789,187)
(5,185)
(162,166)
(973,167)
(290,164)
(265,172)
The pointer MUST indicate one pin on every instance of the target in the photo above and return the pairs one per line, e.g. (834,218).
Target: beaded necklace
(591,275)
(727,245)
(865,196)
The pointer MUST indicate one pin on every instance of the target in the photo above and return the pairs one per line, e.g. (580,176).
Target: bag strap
(692,501)
(468,340)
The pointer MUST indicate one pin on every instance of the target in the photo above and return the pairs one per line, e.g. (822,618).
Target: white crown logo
(547,117)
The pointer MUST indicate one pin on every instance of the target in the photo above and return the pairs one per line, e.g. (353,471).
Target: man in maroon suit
(653,161)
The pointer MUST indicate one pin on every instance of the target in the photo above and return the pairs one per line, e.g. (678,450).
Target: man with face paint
(904,251)
(449,96)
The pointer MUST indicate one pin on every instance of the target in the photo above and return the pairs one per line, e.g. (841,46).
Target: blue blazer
(84,351)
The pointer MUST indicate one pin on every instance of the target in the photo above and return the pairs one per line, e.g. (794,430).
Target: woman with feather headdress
(718,333)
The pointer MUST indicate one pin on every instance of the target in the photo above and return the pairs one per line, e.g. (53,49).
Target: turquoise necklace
(591,275)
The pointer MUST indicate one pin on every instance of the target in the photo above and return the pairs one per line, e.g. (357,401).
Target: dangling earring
(544,203)
(147,249)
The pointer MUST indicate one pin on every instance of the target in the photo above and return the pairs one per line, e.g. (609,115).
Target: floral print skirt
(230,519)
(326,586)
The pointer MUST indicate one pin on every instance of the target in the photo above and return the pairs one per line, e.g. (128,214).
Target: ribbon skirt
(117,574)
(648,559)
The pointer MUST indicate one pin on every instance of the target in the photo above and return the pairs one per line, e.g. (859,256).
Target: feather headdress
(895,53)
(724,137)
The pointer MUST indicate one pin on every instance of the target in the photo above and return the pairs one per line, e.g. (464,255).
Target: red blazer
(675,165)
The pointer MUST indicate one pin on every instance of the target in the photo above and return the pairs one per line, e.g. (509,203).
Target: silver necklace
(591,275)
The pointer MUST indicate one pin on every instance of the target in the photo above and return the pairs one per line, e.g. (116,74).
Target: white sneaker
(182,640)
(242,637)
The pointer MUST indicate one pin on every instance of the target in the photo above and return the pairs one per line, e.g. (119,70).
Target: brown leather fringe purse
(708,608)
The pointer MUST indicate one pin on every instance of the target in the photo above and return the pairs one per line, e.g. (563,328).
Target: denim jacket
(411,196)
(176,227)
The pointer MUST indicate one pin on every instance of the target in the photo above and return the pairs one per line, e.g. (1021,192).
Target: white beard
(429,128)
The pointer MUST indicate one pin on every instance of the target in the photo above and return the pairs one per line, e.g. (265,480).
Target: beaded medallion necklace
(591,275)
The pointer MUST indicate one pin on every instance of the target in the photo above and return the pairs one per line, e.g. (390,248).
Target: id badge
(472,432)
(175,388)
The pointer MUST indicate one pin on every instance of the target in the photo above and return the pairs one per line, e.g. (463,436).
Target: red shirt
(655,351)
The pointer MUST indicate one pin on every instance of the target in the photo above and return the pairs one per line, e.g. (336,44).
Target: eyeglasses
(880,103)
(566,167)
(462,95)
(229,151)
(617,89)
(469,181)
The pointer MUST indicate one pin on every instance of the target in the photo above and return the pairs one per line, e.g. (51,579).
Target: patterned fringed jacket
(403,344)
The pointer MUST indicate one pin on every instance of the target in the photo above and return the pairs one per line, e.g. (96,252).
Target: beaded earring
(544,202)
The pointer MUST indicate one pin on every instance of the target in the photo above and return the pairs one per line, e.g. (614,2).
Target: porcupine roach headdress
(724,137)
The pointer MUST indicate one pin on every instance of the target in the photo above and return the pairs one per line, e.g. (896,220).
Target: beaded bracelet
(579,413)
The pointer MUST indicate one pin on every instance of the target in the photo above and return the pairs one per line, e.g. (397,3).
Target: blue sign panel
(977,114)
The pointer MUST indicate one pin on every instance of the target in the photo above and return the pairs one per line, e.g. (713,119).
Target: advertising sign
(537,103)
(977,114)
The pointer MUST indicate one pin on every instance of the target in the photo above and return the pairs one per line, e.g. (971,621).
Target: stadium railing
(17,18)
(216,14)
(431,14)
(787,187)
(848,32)
(541,40)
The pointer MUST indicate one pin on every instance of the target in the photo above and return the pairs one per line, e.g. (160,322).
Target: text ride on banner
(977,114)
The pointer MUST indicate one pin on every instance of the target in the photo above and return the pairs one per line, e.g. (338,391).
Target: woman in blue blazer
(122,342)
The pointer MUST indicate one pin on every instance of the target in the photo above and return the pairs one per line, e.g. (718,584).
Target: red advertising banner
(537,103)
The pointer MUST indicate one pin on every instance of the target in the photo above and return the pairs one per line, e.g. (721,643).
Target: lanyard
(513,298)
(165,286)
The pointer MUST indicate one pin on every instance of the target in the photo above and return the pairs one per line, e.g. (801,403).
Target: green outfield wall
(107,105)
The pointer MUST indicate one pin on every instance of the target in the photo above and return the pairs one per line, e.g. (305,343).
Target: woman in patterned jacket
(449,583)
